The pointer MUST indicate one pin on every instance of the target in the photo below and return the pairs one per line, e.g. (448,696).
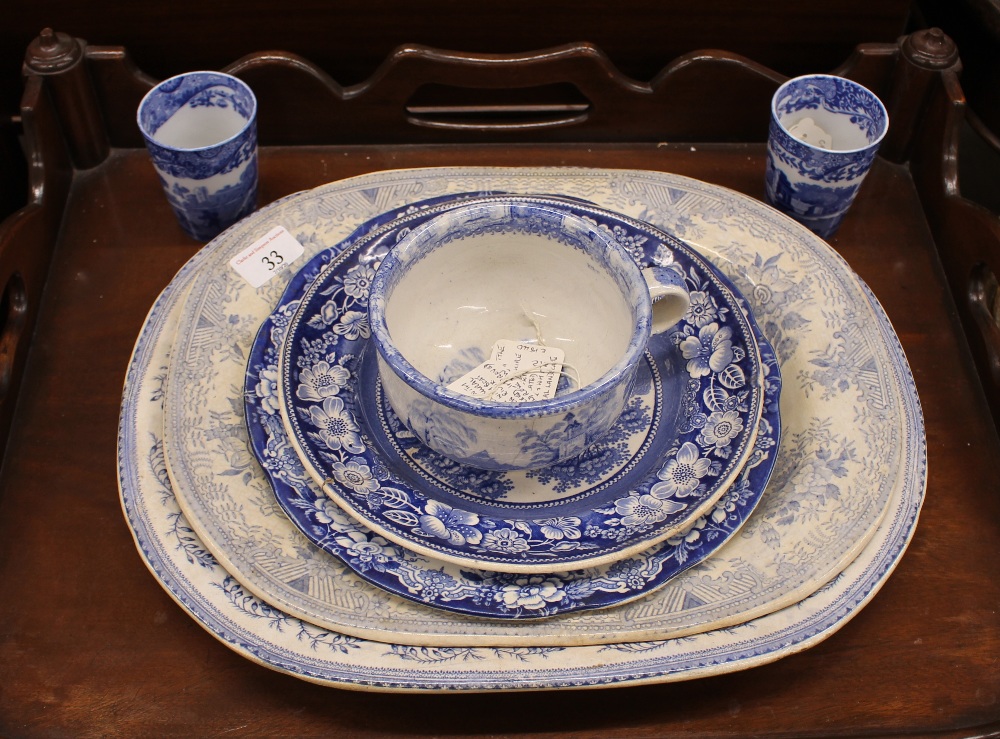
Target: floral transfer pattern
(486,593)
(738,232)
(721,405)
(602,461)
(209,188)
(814,185)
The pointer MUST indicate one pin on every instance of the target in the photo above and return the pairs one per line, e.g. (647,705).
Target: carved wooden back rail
(79,102)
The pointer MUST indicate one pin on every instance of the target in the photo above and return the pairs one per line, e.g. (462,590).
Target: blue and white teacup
(520,272)
(201,133)
(823,137)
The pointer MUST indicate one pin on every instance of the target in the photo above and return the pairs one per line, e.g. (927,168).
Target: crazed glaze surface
(781,268)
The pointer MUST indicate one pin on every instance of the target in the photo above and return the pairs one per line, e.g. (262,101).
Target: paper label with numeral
(267,256)
(515,373)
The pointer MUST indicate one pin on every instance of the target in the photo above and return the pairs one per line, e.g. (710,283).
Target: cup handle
(670,297)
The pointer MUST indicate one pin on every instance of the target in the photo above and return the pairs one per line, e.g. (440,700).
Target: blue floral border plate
(443,584)
(786,272)
(682,441)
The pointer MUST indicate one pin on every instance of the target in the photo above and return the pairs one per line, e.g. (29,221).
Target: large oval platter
(852,448)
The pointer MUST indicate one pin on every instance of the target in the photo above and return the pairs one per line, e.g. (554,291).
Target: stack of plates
(296,519)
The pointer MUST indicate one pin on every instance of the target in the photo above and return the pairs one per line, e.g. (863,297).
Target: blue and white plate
(443,584)
(840,509)
(684,437)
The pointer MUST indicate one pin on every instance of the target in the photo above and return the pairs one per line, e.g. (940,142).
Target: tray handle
(27,239)
(571,92)
(984,307)
(582,67)
(967,234)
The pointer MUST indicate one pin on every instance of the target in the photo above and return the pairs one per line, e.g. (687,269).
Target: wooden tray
(93,644)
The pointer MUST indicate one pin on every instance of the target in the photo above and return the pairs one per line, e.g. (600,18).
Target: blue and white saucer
(678,448)
(686,435)
(444,584)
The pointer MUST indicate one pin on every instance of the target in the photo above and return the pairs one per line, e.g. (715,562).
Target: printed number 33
(272,260)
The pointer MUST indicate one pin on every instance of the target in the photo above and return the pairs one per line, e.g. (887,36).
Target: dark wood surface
(351,38)
(975,26)
(91,645)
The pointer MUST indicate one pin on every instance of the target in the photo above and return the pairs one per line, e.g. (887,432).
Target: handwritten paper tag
(267,256)
(514,373)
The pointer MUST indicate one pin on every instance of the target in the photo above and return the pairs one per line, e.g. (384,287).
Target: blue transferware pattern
(633,435)
(695,437)
(827,494)
(763,254)
(817,186)
(212,187)
(479,593)
(475,432)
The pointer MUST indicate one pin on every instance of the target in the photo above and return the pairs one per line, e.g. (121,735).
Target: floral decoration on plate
(444,584)
(674,454)
(812,307)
